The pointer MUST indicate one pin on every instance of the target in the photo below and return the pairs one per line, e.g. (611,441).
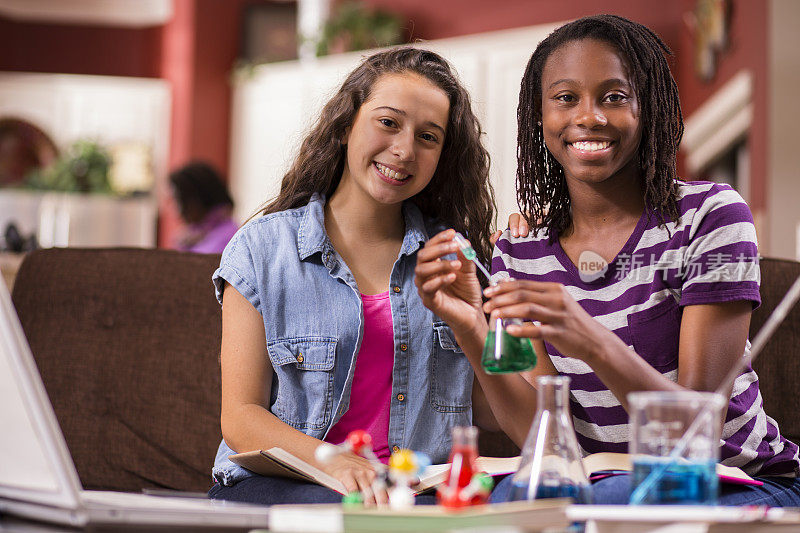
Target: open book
(615,462)
(279,462)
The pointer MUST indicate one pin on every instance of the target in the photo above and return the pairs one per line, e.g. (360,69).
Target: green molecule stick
(353,499)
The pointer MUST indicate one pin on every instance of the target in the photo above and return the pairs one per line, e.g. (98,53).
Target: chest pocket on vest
(304,371)
(655,333)
(451,373)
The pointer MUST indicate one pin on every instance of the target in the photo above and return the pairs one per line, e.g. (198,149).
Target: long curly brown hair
(541,188)
(459,194)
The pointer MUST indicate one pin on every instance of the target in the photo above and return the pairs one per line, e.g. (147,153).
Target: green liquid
(515,355)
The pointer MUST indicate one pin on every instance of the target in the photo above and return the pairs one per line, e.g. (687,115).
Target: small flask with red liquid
(462,467)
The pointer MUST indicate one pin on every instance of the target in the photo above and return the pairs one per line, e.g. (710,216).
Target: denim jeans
(266,490)
(615,490)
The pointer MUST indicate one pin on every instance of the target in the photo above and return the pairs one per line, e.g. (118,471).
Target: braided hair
(542,192)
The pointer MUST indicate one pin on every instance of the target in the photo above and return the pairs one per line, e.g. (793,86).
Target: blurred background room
(102,101)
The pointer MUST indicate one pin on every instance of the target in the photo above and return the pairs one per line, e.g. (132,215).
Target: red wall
(30,47)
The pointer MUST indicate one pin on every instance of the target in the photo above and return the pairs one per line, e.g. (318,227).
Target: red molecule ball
(358,440)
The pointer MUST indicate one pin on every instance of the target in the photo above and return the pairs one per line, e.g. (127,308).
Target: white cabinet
(108,109)
(111,110)
(273,108)
(85,220)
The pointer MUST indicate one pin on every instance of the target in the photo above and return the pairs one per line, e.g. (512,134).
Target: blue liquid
(580,494)
(682,483)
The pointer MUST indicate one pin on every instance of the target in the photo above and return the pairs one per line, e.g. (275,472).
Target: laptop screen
(35,464)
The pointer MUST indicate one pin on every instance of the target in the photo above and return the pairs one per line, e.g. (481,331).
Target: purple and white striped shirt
(711,256)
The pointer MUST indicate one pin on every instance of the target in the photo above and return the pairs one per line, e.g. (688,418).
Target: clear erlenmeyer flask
(551,465)
(504,353)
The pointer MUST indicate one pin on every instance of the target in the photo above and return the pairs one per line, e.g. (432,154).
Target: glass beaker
(503,353)
(552,465)
(463,454)
(659,420)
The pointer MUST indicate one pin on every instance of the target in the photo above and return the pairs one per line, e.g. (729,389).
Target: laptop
(38,479)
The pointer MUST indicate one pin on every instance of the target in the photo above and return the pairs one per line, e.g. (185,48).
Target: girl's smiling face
(590,114)
(396,139)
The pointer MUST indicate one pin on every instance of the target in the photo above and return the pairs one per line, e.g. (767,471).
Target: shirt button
(403,347)
(396,288)
(401,397)
(395,448)
(300,358)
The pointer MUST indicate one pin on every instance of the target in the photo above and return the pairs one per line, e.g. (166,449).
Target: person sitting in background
(205,206)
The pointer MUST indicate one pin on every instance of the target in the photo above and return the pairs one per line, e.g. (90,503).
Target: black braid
(541,188)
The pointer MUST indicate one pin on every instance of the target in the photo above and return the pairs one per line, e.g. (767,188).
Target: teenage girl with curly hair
(323,331)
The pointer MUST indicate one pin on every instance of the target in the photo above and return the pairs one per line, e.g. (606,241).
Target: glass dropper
(469,252)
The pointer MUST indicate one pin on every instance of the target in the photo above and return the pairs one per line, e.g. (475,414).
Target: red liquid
(462,467)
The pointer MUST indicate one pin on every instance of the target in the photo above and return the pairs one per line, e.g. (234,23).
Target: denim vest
(285,265)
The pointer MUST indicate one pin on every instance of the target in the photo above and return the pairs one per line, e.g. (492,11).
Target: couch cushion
(127,343)
(778,366)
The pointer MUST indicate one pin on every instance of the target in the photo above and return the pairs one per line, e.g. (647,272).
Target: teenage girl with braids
(323,331)
(599,128)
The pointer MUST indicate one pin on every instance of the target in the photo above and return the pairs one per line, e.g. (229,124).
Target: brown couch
(778,366)
(127,342)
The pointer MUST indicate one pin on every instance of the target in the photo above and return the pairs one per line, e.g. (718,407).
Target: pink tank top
(372,382)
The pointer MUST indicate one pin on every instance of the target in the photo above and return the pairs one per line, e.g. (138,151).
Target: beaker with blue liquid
(659,420)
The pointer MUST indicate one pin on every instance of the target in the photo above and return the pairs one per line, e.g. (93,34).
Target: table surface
(609,519)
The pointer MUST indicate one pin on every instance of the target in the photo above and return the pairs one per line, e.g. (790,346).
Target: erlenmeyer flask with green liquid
(502,353)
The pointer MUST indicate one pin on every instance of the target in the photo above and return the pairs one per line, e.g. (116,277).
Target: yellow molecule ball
(403,461)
